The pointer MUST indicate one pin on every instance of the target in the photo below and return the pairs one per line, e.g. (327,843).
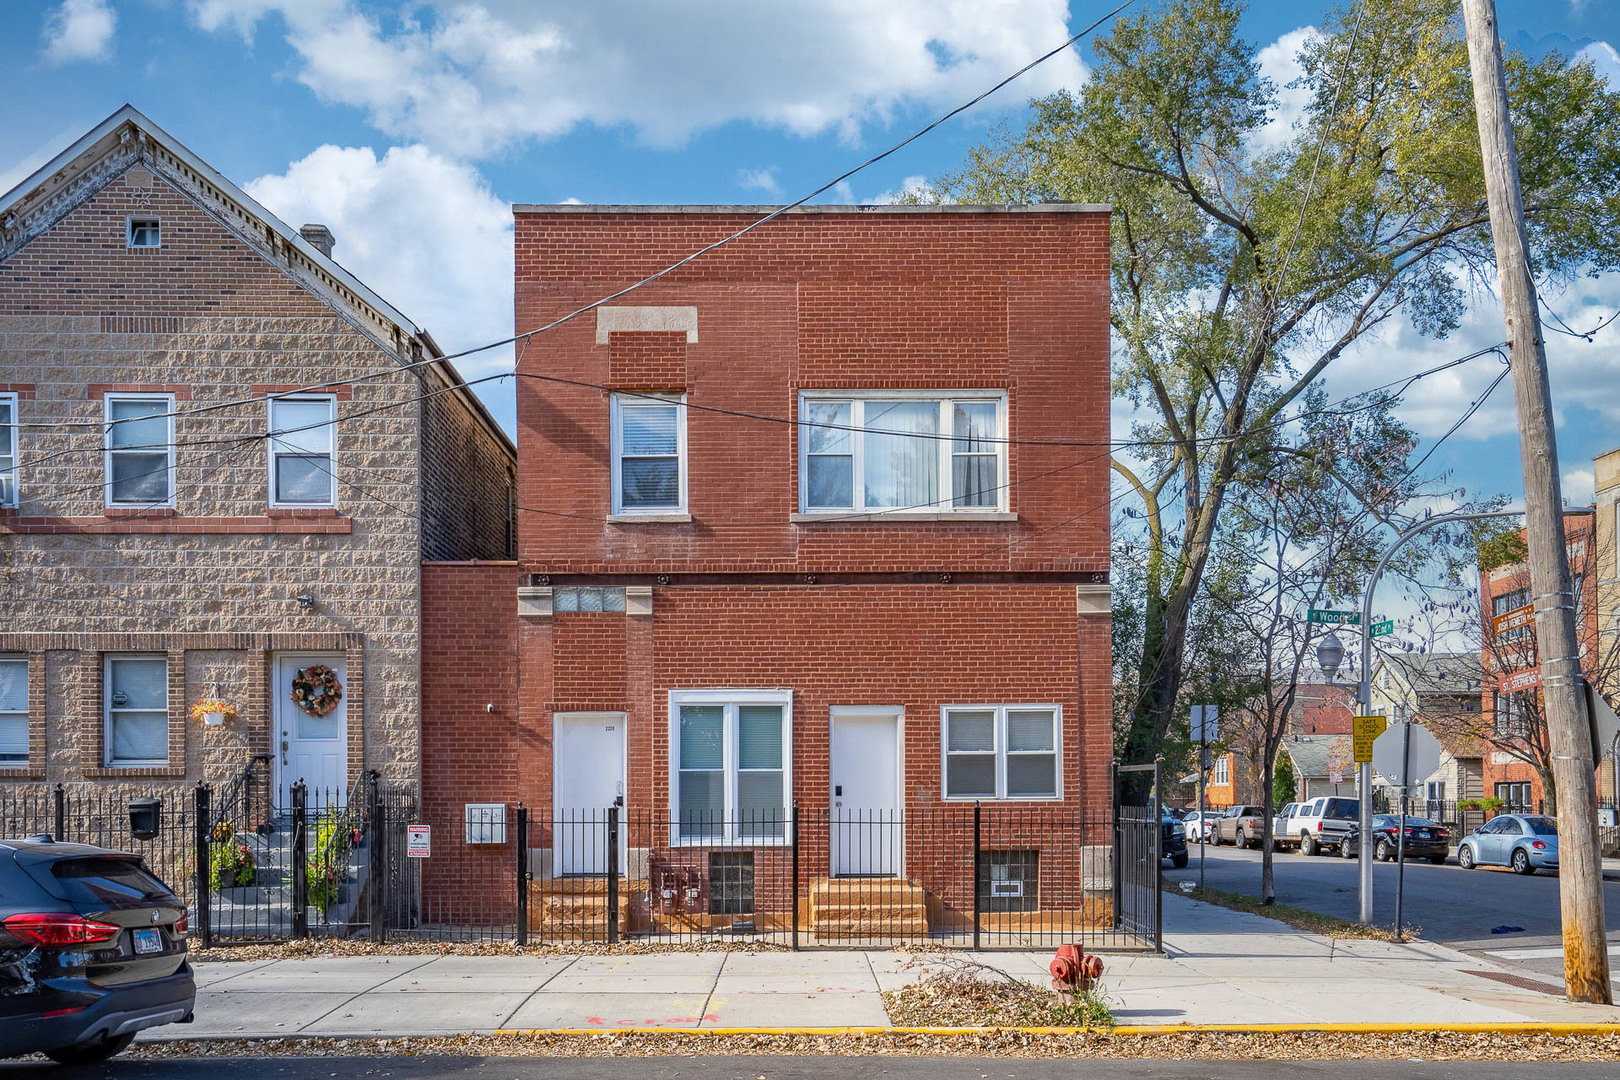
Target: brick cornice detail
(157,642)
(340,391)
(180,391)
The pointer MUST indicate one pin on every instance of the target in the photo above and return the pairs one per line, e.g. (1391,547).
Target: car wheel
(1346,849)
(1242,838)
(1179,861)
(1307,844)
(1384,852)
(88,1053)
(1521,862)
(1465,857)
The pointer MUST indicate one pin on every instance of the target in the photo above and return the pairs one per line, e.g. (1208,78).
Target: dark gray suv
(92,950)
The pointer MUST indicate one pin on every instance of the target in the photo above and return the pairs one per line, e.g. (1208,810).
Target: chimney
(319,236)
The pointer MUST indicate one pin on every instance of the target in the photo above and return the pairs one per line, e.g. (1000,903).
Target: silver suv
(1241,825)
(1322,823)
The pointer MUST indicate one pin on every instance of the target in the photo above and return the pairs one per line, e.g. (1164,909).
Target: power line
(671,268)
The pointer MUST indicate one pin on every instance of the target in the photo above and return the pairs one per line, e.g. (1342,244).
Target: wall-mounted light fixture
(305,601)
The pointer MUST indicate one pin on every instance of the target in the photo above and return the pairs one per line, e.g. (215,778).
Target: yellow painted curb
(1527,1027)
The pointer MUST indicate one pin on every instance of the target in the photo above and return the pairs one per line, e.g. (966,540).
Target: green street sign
(1334,618)
(1379,629)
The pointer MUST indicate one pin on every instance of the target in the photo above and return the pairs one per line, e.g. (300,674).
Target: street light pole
(1364,694)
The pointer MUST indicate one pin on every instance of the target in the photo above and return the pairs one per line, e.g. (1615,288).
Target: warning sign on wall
(418,841)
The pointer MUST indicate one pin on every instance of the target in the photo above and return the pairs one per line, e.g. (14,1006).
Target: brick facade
(225,312)
(740,590)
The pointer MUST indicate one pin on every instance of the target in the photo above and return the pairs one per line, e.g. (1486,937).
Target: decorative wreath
(316,689)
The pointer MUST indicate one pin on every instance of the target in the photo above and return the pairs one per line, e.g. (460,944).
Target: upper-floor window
(302,470)
(13,710)
(649,454)
(896,451)
(1223,771)
(140,449)
(137,710)
(8,449)
(144,232)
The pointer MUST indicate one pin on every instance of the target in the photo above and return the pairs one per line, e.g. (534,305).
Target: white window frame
(10,436)
(1001,751)
(730,700)
(107,452)
(271,453)
(129,232)
(107,759)
(23,715)
(858,399)
(617,402)
(1221,775)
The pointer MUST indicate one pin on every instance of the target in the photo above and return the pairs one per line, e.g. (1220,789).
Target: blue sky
(410,129)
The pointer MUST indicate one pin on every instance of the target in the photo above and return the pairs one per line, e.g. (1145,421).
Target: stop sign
(1423,756)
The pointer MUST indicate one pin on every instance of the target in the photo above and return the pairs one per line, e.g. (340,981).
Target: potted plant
(230,860)
(213,711)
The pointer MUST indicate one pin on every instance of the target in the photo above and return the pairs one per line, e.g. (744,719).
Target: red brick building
(818,519)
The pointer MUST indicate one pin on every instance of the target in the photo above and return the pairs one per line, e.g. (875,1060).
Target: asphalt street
(803,1068)
(1450,905)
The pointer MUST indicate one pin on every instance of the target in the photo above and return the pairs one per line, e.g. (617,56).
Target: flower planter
(213,719)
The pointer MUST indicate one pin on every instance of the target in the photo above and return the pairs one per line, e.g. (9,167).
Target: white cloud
(1279,62)
(911,186)
(1579,486)
(79,30)
(426,233)
(1604,58)
(759,180)
(471,77)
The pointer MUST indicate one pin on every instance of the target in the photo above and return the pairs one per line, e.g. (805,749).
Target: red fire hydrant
(1072,969)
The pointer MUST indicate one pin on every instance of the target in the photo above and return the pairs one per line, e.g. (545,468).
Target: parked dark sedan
(1172,839)
(92,950)
(1425,839)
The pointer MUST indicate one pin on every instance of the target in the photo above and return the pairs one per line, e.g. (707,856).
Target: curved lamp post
(1364,692)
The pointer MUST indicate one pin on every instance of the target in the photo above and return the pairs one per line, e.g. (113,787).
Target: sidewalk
(1220,967)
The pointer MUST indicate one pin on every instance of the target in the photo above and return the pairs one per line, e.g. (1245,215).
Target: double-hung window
(302,470)
(898,451)
(1223,771)
(140,449)
(13,711)
(730,774)
(649,454)
(8,450)
(1001,751)
(137,710)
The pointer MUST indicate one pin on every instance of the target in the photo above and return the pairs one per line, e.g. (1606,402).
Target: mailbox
(144,817)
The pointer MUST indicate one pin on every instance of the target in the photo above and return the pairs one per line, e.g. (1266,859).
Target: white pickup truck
(1321,823)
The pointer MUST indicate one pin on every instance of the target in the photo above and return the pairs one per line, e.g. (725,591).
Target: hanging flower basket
(316,690)
(213,711)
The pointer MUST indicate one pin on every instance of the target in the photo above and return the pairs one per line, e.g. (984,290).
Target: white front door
(587,777)
(314,749)
(867,831)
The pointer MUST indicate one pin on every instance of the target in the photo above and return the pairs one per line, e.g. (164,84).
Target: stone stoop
(575,909)
(868,908)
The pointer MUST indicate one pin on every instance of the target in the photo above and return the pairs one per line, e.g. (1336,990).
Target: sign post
(1412,752)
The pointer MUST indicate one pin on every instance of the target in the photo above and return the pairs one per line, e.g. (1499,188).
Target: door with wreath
(310,737)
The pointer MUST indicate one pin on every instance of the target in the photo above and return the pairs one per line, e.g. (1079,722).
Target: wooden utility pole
(1580,865)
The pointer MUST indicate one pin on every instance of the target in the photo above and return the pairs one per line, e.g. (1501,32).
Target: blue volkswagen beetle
(1526,842)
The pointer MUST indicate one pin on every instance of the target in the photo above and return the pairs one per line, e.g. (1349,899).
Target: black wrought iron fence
(377,861)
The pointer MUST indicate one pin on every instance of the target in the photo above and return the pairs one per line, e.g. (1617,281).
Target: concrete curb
(1125,1031)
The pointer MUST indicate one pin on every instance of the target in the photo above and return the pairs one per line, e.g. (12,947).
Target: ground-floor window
(1515,795)
(13,710)
(137,710)
(1000,751)
(730,774)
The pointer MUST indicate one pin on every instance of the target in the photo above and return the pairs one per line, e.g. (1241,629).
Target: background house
(1440,690)
(156,547)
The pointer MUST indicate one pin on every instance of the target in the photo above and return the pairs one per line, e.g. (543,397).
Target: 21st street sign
(1333,618)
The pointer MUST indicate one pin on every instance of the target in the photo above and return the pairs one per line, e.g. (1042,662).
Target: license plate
(148,941)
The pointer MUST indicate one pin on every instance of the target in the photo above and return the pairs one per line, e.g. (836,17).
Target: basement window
(144,233)
(731,883)
(1010,881)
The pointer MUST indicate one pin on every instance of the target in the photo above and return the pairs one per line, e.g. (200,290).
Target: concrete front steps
(264,909)
(868,908)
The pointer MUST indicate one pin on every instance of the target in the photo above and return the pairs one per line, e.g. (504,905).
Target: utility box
(145,817)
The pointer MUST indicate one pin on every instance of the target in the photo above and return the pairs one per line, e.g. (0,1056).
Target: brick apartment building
(156,548)
(1512,724)
(819,519)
